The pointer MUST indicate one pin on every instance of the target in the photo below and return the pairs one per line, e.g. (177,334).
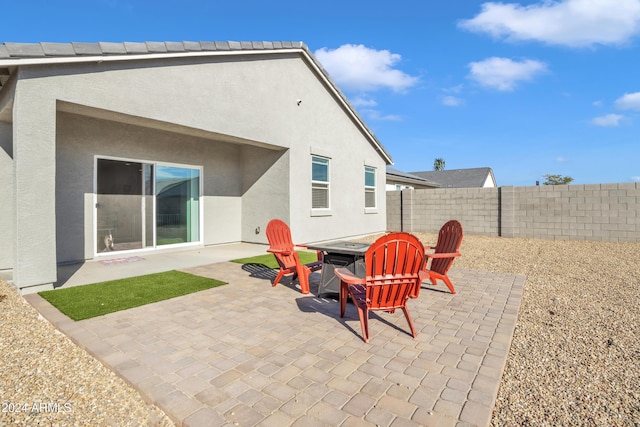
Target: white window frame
(321,185)
(370,189)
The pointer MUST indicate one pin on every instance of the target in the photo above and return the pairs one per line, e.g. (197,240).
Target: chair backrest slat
(393,264)
(449,241)
(279,237)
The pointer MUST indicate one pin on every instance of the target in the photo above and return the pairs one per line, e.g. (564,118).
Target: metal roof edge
(110,57)
(407,177)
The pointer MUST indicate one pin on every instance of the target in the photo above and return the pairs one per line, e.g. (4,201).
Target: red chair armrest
(319,253)
(348,277)
(441,255)
(278,251)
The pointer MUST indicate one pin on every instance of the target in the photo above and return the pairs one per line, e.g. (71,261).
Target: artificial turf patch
(268,260)
(84,302)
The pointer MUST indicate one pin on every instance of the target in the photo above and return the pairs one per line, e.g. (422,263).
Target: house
(398,180)
(117,148)
(460,178)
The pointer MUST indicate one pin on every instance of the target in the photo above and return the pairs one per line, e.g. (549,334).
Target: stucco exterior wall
(320,126)
(256,119)
(6,196)
(80,139)
(34,120)
(265,190)
(256,100)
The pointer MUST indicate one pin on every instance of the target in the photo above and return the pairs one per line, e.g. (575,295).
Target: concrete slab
(118,265)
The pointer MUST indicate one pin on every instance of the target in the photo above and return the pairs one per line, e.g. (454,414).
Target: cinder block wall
(599,212)
(426,210)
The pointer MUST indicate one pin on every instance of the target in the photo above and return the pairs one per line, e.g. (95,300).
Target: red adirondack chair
(393,265)
(283,248)
(446,250)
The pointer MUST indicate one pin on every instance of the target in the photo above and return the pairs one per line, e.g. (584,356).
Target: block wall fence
(599,212)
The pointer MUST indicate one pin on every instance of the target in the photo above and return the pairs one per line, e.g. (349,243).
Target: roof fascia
(139,57)
(410,180)
(418,182)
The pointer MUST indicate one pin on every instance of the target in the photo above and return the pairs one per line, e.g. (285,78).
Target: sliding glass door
(177,205)
(141,205)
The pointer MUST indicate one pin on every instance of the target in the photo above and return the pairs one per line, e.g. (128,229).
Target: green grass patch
(269,260)
(85,302)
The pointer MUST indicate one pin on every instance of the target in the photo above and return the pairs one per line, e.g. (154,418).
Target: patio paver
(248,354)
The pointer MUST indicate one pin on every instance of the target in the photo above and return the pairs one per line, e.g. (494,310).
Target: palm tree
(438,164)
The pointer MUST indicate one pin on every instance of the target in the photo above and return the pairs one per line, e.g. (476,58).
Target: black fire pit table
(339,254)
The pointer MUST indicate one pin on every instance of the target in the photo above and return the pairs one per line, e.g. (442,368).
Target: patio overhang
(102,114)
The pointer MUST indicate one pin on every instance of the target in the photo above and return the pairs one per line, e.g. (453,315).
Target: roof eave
(410,180)
(11,62)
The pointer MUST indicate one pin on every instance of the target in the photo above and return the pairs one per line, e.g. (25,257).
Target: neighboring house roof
(459,178)
(13,55)
(396,175)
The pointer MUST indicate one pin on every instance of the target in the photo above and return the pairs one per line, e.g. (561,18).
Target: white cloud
(629,101)
(356,67)
(560,159)
(376,115)
(636,178)
(452,101)
(575,23)
(597,103)
(363,102)
(503,73)
(608,120)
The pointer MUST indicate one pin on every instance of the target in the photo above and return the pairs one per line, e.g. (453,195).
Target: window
(369,187)
(319,182)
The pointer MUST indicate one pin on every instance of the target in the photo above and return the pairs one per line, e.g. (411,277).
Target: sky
(528,88)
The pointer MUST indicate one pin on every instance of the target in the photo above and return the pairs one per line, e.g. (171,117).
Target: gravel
(575,355)
(574,358)
(48,380)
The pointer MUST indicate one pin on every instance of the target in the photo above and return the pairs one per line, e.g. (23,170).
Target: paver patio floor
(249,354)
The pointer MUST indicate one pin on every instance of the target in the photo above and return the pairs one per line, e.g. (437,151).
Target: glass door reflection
(177,205)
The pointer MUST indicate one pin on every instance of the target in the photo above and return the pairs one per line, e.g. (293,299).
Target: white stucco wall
(238,117)
(6,197)
(81,138)
(34,119)
(320,126)
(265,192)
